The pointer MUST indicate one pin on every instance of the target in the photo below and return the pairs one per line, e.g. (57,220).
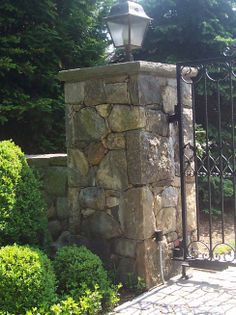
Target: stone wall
(52,169)
(123,167)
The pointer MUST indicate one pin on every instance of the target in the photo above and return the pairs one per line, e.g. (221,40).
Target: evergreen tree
(188,29)
(39,38)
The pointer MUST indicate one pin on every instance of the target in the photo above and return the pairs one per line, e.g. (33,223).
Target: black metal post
(182,170)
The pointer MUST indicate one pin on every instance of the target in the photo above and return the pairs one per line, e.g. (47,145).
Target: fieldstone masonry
(123,166)
(52,169)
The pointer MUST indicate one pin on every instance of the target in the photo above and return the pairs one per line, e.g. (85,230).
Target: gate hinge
(174,117)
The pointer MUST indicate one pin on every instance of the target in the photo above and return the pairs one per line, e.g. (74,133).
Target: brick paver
(208,293)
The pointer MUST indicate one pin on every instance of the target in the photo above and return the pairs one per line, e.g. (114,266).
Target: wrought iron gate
(208,161)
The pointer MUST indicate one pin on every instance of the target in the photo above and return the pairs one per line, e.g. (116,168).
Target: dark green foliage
(187,29)
(38,38)
(26,279)
(78,269)
(75,266)
(22,210)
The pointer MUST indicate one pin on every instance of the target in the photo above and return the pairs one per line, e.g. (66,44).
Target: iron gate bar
(233,154)
(221,161)
(182,172)
(208,161)
(213,163)
(195,162)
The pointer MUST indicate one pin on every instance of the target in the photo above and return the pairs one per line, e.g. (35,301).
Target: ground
(208,293)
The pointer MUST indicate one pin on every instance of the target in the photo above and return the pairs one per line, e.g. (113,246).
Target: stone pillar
(123,163)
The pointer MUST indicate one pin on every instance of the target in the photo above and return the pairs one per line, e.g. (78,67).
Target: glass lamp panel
(119,33)
(138,28)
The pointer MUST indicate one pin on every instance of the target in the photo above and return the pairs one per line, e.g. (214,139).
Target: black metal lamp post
(127,24)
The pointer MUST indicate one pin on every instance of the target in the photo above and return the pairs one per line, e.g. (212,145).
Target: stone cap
(118,69)
(56,159)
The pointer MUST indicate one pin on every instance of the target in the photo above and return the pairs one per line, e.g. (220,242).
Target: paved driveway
(204,293)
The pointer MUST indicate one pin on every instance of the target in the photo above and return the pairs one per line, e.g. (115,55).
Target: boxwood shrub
(26,279)
(22,209)
(77,268)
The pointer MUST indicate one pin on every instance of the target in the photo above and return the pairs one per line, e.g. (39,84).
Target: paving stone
(205,293)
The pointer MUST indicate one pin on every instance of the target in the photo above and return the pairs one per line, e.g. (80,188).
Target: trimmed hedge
(22,209)
(75,266)
(78,269)
(26,279)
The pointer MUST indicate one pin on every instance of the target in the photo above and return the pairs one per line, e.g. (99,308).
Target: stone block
(186,89)
(55,181)
(117,93)
(150,158)
(101,224)
(126,271)
(78,179)
(92,197)
(38,161)
(188,125)
(144,89)
(96,152)
(74,92)
(95,92)
(112,171)
(166,220)
(102,247)
(157,122)
(112,202)
(115,141)
(89,125)
(70,130)
(191,206)
(169,197)
(58,160)
(103,110)
(169,96)
(74,210)
(148,267)
(78,161)
(124,118)
(62,208)
(136,213)
(125,247)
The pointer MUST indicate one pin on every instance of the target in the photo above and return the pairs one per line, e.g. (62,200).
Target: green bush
(26,279)
(77,268)
(22,210)
(88,304)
